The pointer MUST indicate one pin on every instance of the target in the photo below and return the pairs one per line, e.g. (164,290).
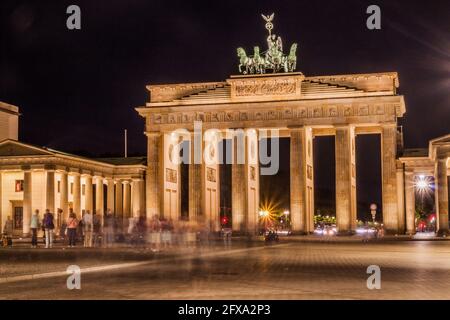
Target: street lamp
(422,184)
(264,213)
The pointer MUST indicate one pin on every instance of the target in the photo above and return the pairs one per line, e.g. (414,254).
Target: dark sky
(77,89)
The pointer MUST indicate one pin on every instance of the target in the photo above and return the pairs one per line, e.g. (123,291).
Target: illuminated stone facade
(296,106)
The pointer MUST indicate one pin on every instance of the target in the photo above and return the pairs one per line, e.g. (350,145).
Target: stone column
(238,183)
(110,194)
(345,180)
(27,201)
(389,178)
(442,196)
(252,180)
(196,191)
(50,197)
(64,195)
(99,199)
(136,197)
(2,218)
(302,180)
(126,199)
(153,178)
(297,177)
(119,199)
(89,204)
(77,194)
(401,198)
(410,203)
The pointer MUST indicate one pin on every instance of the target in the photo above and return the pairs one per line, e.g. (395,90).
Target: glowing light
(264,213)
(423,184)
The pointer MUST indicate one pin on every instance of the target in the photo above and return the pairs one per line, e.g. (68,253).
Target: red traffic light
(224,220)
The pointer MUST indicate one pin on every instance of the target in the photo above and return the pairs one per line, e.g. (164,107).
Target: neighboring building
(9,121)
(33,178)
(420,164)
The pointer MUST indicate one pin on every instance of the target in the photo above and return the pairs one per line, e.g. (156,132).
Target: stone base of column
(391,232)
(300,233)
(346,233)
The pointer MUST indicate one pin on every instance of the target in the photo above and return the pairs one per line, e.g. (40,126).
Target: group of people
(71,229)
(97,230)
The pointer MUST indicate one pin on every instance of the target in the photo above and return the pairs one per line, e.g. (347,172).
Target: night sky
(77,89)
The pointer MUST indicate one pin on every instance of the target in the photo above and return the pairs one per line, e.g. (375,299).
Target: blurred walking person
(108,228)
(96,228)
(72,225)
(155,233)
(141,231)
(48,225)
(131,231)
(88,229)
(34,227)
(166,233)
(7,232)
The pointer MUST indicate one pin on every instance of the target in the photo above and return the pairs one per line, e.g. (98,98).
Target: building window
(59,186)
(71,188)
(19,186)
(83,189)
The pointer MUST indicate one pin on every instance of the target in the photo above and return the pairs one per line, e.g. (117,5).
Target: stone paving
(293,270)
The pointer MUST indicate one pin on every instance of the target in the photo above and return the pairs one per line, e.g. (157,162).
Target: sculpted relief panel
(266,87)
(286,113)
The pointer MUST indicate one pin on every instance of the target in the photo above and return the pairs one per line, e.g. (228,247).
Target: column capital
(48,167)
(343,126)
(295,127)
(26,168)
(154,134)
(389,125)
(86,175)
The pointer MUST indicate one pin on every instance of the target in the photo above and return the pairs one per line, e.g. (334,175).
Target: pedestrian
(72,225)
(166,233)
(8,232)
(34,227)
(96,225)
(155,233)
(62,229)
(131,231)
(48,225)
(88,229)
(141,230)
(108,228)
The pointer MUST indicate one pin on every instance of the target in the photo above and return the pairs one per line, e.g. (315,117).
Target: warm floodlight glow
(422,184)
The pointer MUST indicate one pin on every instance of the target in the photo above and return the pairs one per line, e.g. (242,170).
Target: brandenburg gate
(257,105)
(298,107)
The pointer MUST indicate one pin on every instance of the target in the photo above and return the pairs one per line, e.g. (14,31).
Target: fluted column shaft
(99,197)
(153,179)
(389,178)
(410,203)
(442,196)
(27,201)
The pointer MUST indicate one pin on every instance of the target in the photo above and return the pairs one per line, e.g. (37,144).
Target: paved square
(293,270)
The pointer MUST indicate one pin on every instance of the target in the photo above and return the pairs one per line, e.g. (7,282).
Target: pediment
(10,148)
